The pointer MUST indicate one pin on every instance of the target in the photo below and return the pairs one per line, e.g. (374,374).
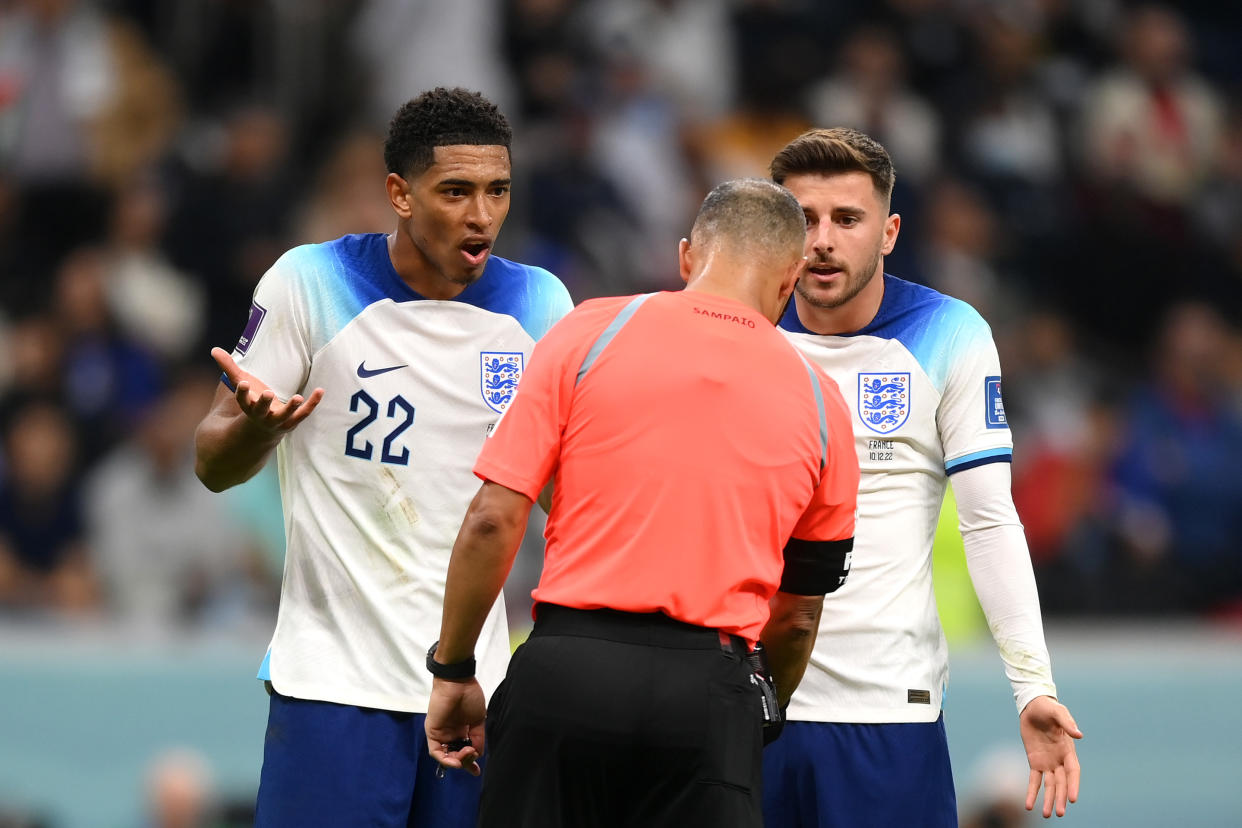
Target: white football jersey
(922,381)
(376,480)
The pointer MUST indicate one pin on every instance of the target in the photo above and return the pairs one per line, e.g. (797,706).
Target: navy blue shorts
(830,775)
(336,765)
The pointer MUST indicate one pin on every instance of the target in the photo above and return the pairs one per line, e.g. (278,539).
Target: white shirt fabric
(922,381)
(376,480)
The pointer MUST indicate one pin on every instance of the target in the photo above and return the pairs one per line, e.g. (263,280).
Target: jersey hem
(925,713)
(353,698)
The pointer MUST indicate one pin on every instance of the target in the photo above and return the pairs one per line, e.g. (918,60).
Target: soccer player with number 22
(376,365)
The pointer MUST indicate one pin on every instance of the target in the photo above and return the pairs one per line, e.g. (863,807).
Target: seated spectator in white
(165,549)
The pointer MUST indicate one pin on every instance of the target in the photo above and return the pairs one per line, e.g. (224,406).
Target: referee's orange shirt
(685,457)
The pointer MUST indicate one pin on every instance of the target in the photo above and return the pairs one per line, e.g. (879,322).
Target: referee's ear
(685,259)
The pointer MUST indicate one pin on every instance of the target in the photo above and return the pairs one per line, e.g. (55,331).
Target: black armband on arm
(815,567)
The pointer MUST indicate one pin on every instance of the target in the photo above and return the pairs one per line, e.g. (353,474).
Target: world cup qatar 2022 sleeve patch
(257,314)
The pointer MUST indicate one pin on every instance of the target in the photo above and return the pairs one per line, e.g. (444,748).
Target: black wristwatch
(457,670)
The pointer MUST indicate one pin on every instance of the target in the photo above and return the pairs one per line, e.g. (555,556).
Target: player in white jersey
(865,742)
(375,365)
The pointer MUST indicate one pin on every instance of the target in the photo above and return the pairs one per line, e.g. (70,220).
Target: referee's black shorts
(620,719)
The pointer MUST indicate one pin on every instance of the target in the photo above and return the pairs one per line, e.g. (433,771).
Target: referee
(705,487)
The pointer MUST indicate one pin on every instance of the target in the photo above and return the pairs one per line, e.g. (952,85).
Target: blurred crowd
(1072,168)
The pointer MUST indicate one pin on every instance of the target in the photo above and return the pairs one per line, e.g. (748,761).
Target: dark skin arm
(238,434)
(482,557)
(789,637)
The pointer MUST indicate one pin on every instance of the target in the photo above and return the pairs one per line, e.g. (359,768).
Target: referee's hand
(456,712)
(1048,734)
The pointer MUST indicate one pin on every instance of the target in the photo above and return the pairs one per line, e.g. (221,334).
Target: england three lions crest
(884,400)
(499,372)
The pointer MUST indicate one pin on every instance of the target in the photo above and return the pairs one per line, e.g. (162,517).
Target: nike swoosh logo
(364,372)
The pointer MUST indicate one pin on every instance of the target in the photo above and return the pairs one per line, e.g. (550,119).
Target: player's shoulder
(925,320)
(527,278)
(314,261)
(909,303)
(511,270)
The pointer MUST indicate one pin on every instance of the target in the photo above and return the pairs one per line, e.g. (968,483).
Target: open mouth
(476,251)
(824,270)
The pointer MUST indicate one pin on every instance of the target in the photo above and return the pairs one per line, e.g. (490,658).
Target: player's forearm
(1005,585)
(789,638)
(482,557)
(1000,570)
(229,449)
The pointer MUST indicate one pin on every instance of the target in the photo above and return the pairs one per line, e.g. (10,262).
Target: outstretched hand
(456,712)
(1048,732)
(259,403)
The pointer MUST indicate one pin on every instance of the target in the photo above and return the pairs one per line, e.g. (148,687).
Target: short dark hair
(833,151)
(437,118)
(751,212)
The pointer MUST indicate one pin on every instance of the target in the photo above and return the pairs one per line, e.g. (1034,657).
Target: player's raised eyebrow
(465,182)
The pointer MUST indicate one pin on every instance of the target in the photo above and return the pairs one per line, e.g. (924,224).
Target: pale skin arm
(1048,733)
(789,638)
(234,440)
(482,557)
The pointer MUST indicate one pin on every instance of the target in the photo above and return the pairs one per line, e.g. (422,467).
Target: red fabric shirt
(685,458)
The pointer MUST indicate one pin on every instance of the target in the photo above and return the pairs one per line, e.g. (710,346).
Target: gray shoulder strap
(819,404)
(608,333)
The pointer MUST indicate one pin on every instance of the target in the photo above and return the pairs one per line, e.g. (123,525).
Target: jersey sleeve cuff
(1027,693)
(521,484)
(978,458)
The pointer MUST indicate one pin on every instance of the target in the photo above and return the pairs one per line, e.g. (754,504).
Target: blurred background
(1072,168)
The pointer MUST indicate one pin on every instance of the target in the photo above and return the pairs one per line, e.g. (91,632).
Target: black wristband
(456,670)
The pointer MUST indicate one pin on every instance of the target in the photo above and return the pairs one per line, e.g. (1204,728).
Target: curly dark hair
(441,117)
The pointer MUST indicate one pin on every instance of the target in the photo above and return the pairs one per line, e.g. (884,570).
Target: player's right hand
(259,403)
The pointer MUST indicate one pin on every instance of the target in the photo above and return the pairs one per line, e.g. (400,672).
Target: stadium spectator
(232,212)
(106,377)
(342,199)
(166,553)
(677,483)
(870,93)
(422,322)
(1151,123)
(44,559)
(155,305)
(180,790)
(1181,510)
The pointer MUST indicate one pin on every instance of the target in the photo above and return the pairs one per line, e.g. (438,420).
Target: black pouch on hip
(761,680)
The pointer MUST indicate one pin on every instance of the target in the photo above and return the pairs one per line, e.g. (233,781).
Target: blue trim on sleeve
(265,669)
(979,458)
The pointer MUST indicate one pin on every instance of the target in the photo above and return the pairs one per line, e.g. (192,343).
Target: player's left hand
(456,711)
(1048,732)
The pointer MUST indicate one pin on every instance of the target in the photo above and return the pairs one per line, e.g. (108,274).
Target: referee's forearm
(482,557)
(789,638)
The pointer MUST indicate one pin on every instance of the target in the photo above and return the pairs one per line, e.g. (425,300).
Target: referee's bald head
(752,216)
